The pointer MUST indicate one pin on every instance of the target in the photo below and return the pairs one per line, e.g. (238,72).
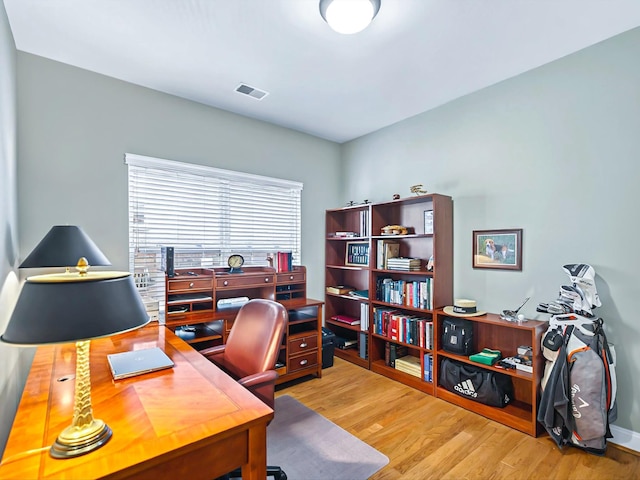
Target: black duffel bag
(475,383)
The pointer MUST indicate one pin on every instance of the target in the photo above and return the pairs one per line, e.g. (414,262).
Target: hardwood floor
(428,438)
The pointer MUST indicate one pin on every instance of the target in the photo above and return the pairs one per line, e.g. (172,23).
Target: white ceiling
(416,55)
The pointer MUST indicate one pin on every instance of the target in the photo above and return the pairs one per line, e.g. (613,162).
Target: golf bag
(578,400)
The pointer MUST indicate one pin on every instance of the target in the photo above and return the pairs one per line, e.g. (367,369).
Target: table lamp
(74,307)
(62,246)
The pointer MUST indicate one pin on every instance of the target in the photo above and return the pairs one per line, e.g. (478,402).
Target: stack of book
(403,263)
(344,234)
(409,364)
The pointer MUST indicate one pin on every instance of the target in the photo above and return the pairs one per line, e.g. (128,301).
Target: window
(206,214)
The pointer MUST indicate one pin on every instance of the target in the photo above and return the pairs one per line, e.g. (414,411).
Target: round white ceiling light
(349,16)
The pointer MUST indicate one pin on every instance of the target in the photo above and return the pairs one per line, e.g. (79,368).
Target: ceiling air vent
(251,91)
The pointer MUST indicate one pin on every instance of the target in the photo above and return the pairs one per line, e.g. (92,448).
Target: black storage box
(328,347)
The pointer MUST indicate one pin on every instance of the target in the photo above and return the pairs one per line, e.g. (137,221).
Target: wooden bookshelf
(364,224)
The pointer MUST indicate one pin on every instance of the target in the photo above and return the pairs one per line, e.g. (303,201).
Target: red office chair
(251,352)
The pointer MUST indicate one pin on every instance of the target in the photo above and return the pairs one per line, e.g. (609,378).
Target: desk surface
(191,421)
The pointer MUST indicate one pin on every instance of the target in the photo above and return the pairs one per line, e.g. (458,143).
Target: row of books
(393,351)
(408,329)
(364,223)
(417,294)
(397,356)
(282,261)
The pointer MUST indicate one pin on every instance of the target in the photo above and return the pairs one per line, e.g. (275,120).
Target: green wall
(553,151)
(14,362)
(75,126)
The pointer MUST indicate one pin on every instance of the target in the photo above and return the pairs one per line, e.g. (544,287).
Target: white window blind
(206,214)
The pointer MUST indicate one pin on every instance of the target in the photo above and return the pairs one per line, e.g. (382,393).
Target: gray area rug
(309,447)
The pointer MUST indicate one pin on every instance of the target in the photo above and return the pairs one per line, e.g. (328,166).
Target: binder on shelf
(363,345)
(364,317)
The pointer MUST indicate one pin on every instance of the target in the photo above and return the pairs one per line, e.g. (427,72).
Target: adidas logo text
(466,388)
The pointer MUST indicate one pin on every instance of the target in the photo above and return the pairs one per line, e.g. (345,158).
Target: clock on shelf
(235,263)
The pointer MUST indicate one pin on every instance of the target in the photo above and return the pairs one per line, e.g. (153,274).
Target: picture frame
(357,254)
(497,249)
(428,222)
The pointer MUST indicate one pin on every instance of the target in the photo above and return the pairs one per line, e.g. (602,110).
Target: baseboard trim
(625,438)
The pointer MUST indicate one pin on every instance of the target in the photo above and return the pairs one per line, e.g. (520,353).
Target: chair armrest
(258,379)
(214,354)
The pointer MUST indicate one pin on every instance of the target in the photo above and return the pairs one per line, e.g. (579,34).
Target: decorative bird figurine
(417,189)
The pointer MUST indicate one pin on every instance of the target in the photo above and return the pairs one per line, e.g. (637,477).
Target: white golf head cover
(584,277)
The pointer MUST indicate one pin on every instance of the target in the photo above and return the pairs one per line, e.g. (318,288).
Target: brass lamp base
(73,442)
(85,432)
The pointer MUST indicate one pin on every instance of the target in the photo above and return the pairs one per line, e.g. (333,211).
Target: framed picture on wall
(497,249)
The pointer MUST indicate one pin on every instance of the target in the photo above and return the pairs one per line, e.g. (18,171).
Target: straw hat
(463,307)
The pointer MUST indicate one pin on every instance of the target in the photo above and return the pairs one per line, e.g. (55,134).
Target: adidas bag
(484,386)
(457,336)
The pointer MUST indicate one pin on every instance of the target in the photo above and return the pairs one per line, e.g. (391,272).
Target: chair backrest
(255,337)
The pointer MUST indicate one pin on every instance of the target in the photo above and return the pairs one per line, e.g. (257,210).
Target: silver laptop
(137,362)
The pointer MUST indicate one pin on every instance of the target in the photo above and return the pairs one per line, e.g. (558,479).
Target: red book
(393,328)
(346,319)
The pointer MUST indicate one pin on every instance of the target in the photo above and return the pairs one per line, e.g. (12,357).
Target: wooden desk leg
(256,467)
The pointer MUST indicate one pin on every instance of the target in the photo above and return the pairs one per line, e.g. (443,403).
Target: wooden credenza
(200,310)
(191,421)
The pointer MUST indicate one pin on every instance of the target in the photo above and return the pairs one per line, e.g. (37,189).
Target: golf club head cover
(584,276)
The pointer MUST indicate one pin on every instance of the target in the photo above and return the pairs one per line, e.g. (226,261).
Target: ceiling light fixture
(349,16)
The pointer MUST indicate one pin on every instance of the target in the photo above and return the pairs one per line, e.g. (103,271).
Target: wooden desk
(192,421)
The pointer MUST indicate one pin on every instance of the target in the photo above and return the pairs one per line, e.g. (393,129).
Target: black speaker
(167,261)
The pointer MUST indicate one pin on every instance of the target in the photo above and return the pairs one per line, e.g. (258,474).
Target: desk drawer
(231,281)
(303,344)
(290,277)
(189,284)
(190,317)
(306,360)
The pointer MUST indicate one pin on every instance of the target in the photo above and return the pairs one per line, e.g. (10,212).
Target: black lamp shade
(62,247)
(53,311)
